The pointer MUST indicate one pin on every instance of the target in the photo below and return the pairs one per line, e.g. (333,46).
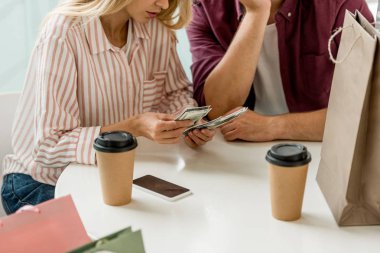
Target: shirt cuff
(85,152)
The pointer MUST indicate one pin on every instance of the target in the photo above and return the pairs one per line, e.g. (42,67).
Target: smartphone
(161,188)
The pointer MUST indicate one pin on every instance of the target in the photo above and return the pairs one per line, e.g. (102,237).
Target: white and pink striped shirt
(78,81)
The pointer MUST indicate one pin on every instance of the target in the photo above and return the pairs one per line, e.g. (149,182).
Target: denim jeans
(20,189)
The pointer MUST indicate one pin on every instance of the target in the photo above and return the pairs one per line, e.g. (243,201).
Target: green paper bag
(124,241)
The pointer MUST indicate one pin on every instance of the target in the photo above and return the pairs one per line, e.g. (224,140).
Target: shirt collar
(97,39)
(239,9)
(140,30)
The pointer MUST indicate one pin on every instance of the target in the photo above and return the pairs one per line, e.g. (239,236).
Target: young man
(270,55)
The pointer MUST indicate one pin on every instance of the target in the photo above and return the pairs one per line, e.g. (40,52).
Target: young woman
(98,65)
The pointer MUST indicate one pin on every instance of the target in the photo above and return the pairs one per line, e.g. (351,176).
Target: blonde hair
(176,16)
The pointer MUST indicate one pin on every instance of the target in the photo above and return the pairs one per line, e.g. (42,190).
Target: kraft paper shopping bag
(53,226)
(378,16)
(349,170)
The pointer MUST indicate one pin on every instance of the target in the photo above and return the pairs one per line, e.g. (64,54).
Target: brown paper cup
(116,176)
(287,186)
(288,165)
(115,153)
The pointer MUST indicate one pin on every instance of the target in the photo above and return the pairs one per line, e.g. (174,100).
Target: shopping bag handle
(338,31)
(28,208)
(101,242)
(24,209)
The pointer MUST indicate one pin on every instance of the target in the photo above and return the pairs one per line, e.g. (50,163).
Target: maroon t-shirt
(304,28)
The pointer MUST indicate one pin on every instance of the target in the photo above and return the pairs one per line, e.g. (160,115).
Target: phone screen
(161,186)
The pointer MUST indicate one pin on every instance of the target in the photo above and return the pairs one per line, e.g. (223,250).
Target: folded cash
(194,113)
(217,122)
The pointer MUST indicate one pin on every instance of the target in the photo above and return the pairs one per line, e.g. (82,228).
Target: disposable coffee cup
(115,154)
(288,165)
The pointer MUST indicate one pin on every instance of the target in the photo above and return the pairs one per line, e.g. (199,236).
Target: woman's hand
(197,137)
(160,127)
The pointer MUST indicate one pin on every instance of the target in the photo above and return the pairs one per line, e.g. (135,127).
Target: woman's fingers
(173,125)
(190,142)
(209,134)
(169,134)
(197,140)
(166,131)
(168,140)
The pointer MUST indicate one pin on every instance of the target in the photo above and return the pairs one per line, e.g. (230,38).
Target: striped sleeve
(59,137)
(178,89)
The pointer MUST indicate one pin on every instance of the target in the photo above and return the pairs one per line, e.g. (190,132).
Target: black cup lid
(288,155)
(115,142)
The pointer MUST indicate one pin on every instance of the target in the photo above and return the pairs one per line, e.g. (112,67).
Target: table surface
(229,210)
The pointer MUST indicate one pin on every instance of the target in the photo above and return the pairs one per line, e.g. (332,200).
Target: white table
(228,212)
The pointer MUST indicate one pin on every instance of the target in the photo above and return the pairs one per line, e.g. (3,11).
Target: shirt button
(289,14)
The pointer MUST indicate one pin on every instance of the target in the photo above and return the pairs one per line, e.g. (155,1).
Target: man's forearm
(228,85)
(308,126)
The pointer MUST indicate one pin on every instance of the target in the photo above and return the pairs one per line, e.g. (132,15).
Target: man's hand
(251,126)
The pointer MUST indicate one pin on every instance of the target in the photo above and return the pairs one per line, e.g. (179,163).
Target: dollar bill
(217,122)
(193,113)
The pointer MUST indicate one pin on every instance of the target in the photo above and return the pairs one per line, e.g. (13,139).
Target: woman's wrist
(133,125)
(129,125)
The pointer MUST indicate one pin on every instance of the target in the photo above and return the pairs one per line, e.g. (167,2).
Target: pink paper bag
(53,226)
